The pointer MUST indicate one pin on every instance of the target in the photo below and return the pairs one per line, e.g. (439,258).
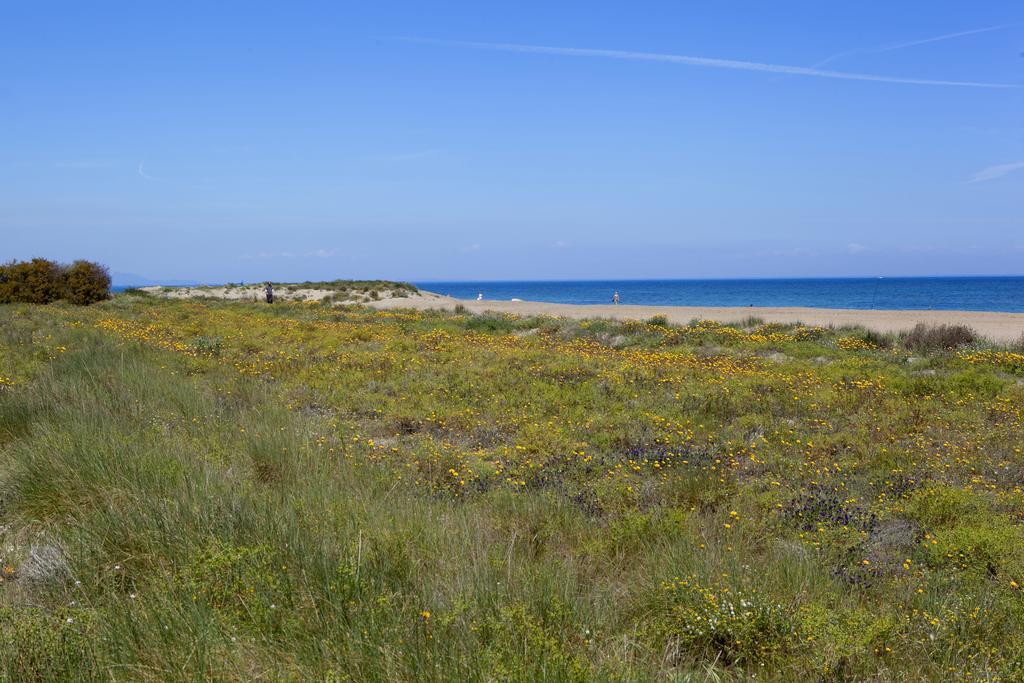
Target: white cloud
(471,247)
(710,62)
(997,171)
(855,248)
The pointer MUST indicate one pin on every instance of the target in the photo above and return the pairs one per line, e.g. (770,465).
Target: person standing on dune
(269,289)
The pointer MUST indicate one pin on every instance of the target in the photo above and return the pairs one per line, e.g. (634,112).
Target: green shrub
(207,346)
(658,321)
(86,283)
(40,281)
(993,547)
(246,584)
(939,505)
(722,624)
(773,328)
(491,322)
(43,645)
(853,637)
(32,282)
(523,643)
(878,339)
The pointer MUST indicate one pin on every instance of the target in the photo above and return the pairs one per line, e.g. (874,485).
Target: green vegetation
(42,282)
(230,491)
(364,286)
(337,286)
(931,338)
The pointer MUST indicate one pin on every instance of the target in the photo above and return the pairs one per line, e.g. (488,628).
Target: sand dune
(282,292)
(999,327)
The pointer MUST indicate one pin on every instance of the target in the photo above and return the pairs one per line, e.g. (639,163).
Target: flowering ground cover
(239,491)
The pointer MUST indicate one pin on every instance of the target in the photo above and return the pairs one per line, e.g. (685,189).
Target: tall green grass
(164,516)
(200,532)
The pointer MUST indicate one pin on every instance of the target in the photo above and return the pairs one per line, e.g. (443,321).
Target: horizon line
(153,282)
(708,279)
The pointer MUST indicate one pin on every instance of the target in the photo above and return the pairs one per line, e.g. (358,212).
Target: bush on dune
(658,321)
(32,282)
(86,283)
(924,338)
(41,281)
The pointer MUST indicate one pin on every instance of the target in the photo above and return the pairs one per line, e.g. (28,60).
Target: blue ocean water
(894,293)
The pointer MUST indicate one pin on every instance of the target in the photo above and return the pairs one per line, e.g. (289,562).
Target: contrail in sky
(912,43)
(710,62)
(936,39)
(993,172)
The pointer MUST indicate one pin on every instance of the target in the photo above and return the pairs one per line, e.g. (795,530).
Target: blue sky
(527,140)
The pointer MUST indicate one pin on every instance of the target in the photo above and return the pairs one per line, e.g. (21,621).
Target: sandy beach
(998,327)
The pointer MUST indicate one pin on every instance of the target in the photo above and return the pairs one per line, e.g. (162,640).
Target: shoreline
(994,325)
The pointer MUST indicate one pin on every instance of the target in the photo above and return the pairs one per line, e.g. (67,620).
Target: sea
(892,293)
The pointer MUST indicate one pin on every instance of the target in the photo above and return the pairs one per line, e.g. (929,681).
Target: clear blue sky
(521,140)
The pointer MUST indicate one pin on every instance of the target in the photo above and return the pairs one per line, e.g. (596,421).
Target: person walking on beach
(269,289)
(615,298)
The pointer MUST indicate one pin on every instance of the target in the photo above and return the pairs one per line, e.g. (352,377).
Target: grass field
(202,490)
